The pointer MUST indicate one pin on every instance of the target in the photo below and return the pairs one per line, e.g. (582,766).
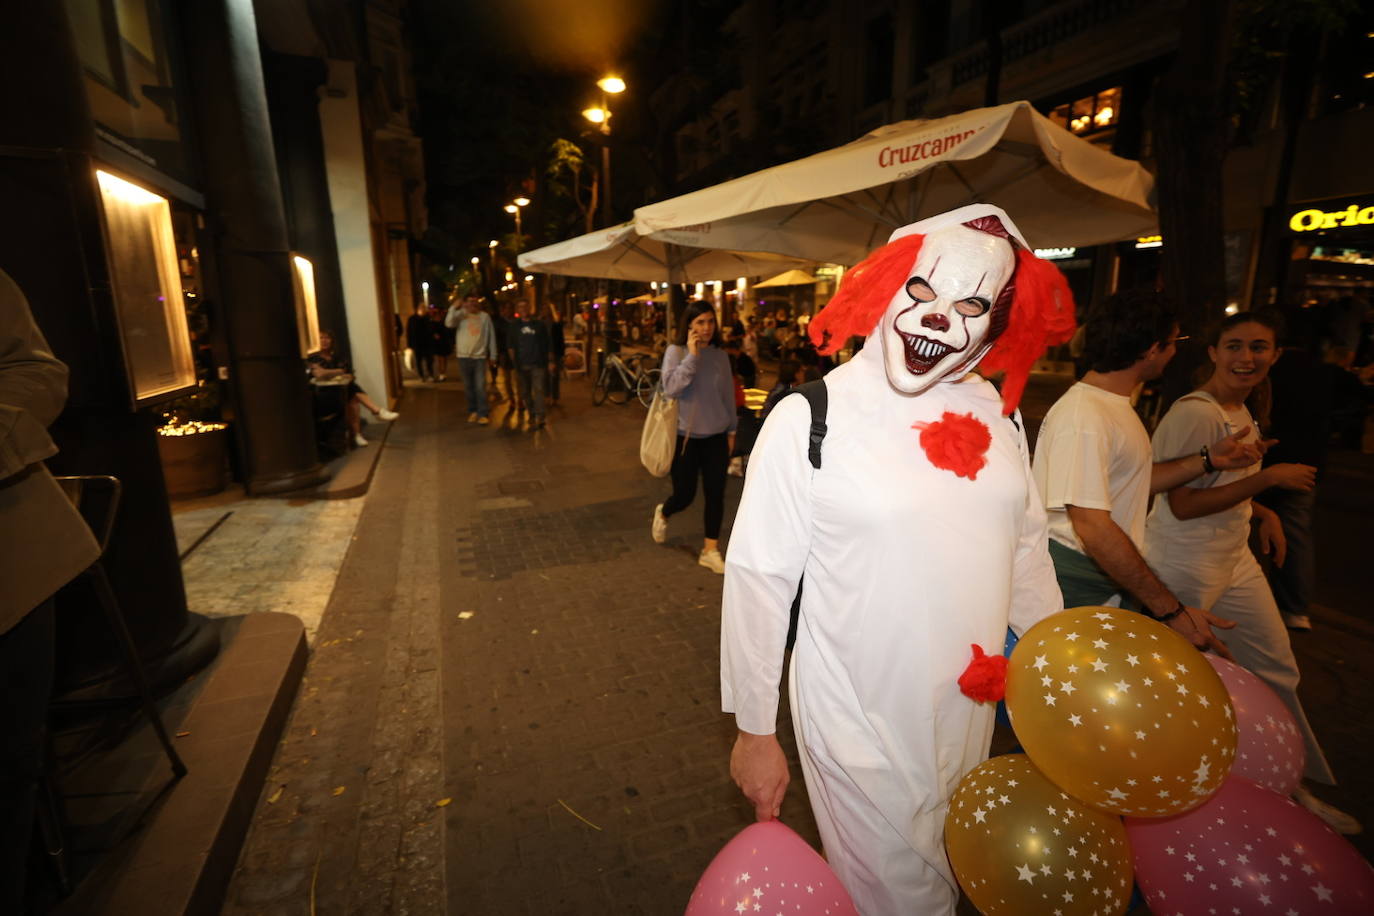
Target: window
(1093,118)
(133,80)
(147,289)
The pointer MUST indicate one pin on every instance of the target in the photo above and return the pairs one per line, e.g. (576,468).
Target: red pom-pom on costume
(985,678)
(956,442)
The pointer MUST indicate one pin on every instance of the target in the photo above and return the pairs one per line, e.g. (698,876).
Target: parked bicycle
(620,378)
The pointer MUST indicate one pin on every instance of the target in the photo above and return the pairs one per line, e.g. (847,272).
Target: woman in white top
(1197,535)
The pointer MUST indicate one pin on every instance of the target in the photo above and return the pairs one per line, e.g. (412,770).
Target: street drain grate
(505,541)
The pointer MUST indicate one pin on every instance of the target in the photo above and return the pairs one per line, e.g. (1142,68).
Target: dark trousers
(26,672)
(424,364)
(1293,581)
(707,457)
(531,381)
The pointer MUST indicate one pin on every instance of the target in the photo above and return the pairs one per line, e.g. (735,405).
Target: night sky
(498,83)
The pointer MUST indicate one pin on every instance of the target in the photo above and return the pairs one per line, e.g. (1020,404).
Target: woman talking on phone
(696,371)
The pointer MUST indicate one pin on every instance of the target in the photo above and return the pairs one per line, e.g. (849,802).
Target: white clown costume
(909,556)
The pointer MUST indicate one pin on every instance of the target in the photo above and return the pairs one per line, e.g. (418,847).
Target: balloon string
(576,815)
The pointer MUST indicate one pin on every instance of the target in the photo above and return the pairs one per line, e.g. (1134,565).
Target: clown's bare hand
(1195,625)
(759,767)
(1229,453)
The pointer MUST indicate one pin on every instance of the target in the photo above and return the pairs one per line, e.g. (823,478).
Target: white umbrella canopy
(840,204)
(621,253)
(791,277)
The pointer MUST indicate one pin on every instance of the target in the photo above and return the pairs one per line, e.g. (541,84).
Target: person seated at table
(328,368)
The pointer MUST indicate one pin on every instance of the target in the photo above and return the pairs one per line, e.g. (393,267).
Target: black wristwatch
(1207,466)
(1165,618)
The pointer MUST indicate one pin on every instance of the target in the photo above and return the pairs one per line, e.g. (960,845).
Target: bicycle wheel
(599,390)
(648,382)
(617,387)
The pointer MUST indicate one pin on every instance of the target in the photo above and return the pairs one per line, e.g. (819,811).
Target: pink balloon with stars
(1248,850)
(767,870)
(1269,748)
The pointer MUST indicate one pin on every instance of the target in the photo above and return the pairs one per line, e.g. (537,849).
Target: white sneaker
(443,378)
(472,418)
(387,415)
(359,441)
(1297,621)
(712,560)
(1335,818)
(659,529)
(736,468)
(482,421)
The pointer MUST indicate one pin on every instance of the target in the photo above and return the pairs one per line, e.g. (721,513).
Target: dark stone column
(293,85)
(248,223)
(52,244)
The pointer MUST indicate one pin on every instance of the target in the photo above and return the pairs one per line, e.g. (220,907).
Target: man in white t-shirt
(1095,472)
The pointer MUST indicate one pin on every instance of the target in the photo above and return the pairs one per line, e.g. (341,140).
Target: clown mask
(937,326)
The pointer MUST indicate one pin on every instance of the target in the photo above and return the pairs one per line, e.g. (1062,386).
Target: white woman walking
(696,371)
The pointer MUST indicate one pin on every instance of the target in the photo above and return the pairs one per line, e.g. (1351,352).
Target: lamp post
(601,116)
(514,208)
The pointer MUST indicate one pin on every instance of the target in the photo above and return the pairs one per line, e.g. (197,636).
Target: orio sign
(1314,219)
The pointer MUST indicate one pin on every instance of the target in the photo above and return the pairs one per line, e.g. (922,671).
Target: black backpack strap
(819,399)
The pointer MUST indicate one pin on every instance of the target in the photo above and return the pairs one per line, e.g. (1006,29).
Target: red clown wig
(1040,312)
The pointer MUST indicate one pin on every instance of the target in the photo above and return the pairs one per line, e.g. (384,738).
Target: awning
(840,204)
(789,278)
(620,253)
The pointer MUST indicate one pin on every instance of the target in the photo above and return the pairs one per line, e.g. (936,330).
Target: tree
(570,180)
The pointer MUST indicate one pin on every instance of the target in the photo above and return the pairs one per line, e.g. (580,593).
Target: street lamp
(514,208)
(601,116)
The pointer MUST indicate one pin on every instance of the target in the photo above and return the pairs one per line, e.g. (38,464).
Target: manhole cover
(519,487)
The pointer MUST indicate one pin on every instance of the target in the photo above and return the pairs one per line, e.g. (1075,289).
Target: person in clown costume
(920,534)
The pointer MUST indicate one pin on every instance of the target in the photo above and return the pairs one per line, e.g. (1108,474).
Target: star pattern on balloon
(1061,856)
(767,870)
(1245,852)
(1098,694)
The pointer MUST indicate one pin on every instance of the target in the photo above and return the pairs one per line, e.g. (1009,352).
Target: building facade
(792,79)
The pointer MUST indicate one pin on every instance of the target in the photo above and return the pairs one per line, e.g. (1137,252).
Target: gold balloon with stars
(1019,844)
(1120,711)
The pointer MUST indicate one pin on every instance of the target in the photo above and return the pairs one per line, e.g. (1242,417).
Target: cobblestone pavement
(513,701)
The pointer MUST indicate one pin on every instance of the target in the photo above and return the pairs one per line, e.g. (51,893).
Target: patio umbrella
(840,204)
(621,253)
(792,277)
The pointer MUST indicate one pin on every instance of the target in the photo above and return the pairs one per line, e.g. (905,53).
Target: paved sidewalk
(514,687)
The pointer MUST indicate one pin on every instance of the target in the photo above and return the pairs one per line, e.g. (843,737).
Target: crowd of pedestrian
(1204,525)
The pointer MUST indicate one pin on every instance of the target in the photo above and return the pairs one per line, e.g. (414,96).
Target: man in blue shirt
(529,343)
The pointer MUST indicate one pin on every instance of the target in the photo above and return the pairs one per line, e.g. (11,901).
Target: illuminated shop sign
(1149,241)
(1315,219)
(1055,254)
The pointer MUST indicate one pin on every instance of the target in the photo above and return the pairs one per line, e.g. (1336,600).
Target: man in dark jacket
(43,545)
(527,338)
